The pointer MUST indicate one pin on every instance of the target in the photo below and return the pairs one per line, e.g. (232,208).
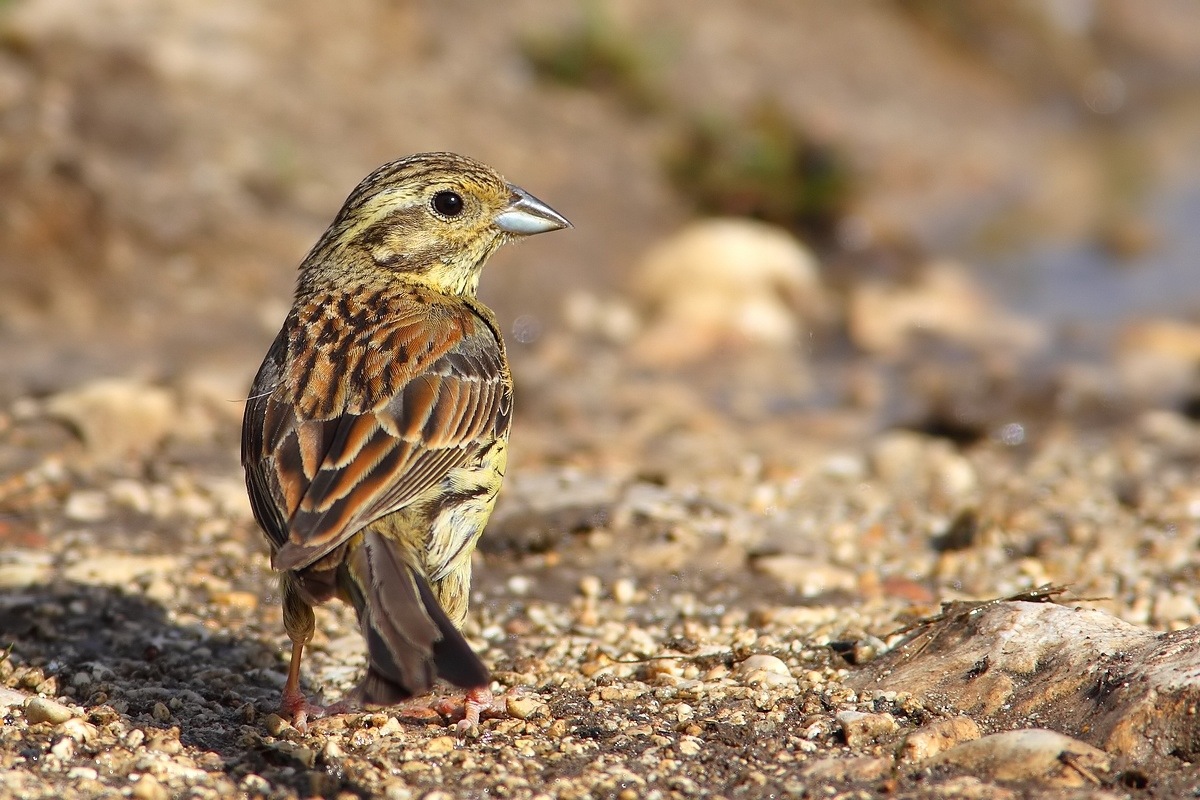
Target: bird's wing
(348,422)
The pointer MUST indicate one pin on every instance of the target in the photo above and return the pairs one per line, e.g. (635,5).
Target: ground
(698,548)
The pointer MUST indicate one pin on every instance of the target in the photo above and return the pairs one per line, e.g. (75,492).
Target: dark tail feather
(410,640)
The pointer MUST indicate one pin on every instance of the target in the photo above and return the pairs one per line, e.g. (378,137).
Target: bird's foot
(475,705)
(297,707)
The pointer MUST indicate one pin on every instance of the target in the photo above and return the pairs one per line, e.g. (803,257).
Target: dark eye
(448,204)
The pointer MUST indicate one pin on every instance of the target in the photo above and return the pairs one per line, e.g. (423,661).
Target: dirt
(691,554)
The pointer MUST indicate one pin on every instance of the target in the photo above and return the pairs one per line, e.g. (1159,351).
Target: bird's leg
(294,704)
(300,624)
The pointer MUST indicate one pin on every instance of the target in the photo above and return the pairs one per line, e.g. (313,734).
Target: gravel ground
(730,500)
(677,634)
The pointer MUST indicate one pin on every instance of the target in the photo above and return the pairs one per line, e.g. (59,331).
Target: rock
(763,662)
(63,749)
(117,418)
(525,706)
(147,788)
(537,510)
(119,570)
(943,302)
(725,282)
(810,577)
(859,728)
(1157,358)
(43,709)
(863,768)
(1126,690)
(1028,754)
(86,505)
(11,697)
(20,568)
(78,730)
(931,739)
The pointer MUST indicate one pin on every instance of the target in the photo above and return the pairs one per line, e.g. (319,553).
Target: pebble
(525,706)
(117,417)
(42,709)
(82,732)
(725,282)
(11,697)
(861,768)
(440,745)
(929,740)
(86,505)
(148,788)
(859,728)
(63,749)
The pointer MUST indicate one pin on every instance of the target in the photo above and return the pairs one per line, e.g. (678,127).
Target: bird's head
(433,218)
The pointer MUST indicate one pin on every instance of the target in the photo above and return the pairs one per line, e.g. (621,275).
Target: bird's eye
(448,204)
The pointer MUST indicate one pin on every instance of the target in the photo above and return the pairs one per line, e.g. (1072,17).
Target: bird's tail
(410,640)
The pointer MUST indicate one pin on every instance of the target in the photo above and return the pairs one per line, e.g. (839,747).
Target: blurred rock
(609,319)
(1128,690)
(811,577)
(721,282)
(1029,754)
(1158,359)
(117,418)
(120,570)
(859,728)
(537,510)
(936,737)
(862,768)
(942,302)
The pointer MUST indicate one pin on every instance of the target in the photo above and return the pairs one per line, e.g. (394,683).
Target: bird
(375,434)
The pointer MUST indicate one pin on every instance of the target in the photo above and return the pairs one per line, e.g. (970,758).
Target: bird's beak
(526,215)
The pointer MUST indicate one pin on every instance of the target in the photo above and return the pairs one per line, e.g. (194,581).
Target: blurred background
(961,217)
(165,165)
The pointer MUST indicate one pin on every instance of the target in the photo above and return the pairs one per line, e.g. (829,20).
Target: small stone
(275,724)
(440,744)
(722,282)
(11,697)
(808,576)
(590,586)
(120,570)
(43,709)
(864,768)
(305,756)
(525,707)
(86,505)
(860,728)
(148,788)
(936,737)
(763,671)
(117,418)
(82,732)
(160,712)
(254,784)
(624,590)
(63,749)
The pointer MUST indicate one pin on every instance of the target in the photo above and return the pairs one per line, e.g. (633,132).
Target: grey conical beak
(526,215)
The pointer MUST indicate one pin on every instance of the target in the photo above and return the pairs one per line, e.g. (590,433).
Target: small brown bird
(375,435)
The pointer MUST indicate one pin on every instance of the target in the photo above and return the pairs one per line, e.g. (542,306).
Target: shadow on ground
(100,647)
